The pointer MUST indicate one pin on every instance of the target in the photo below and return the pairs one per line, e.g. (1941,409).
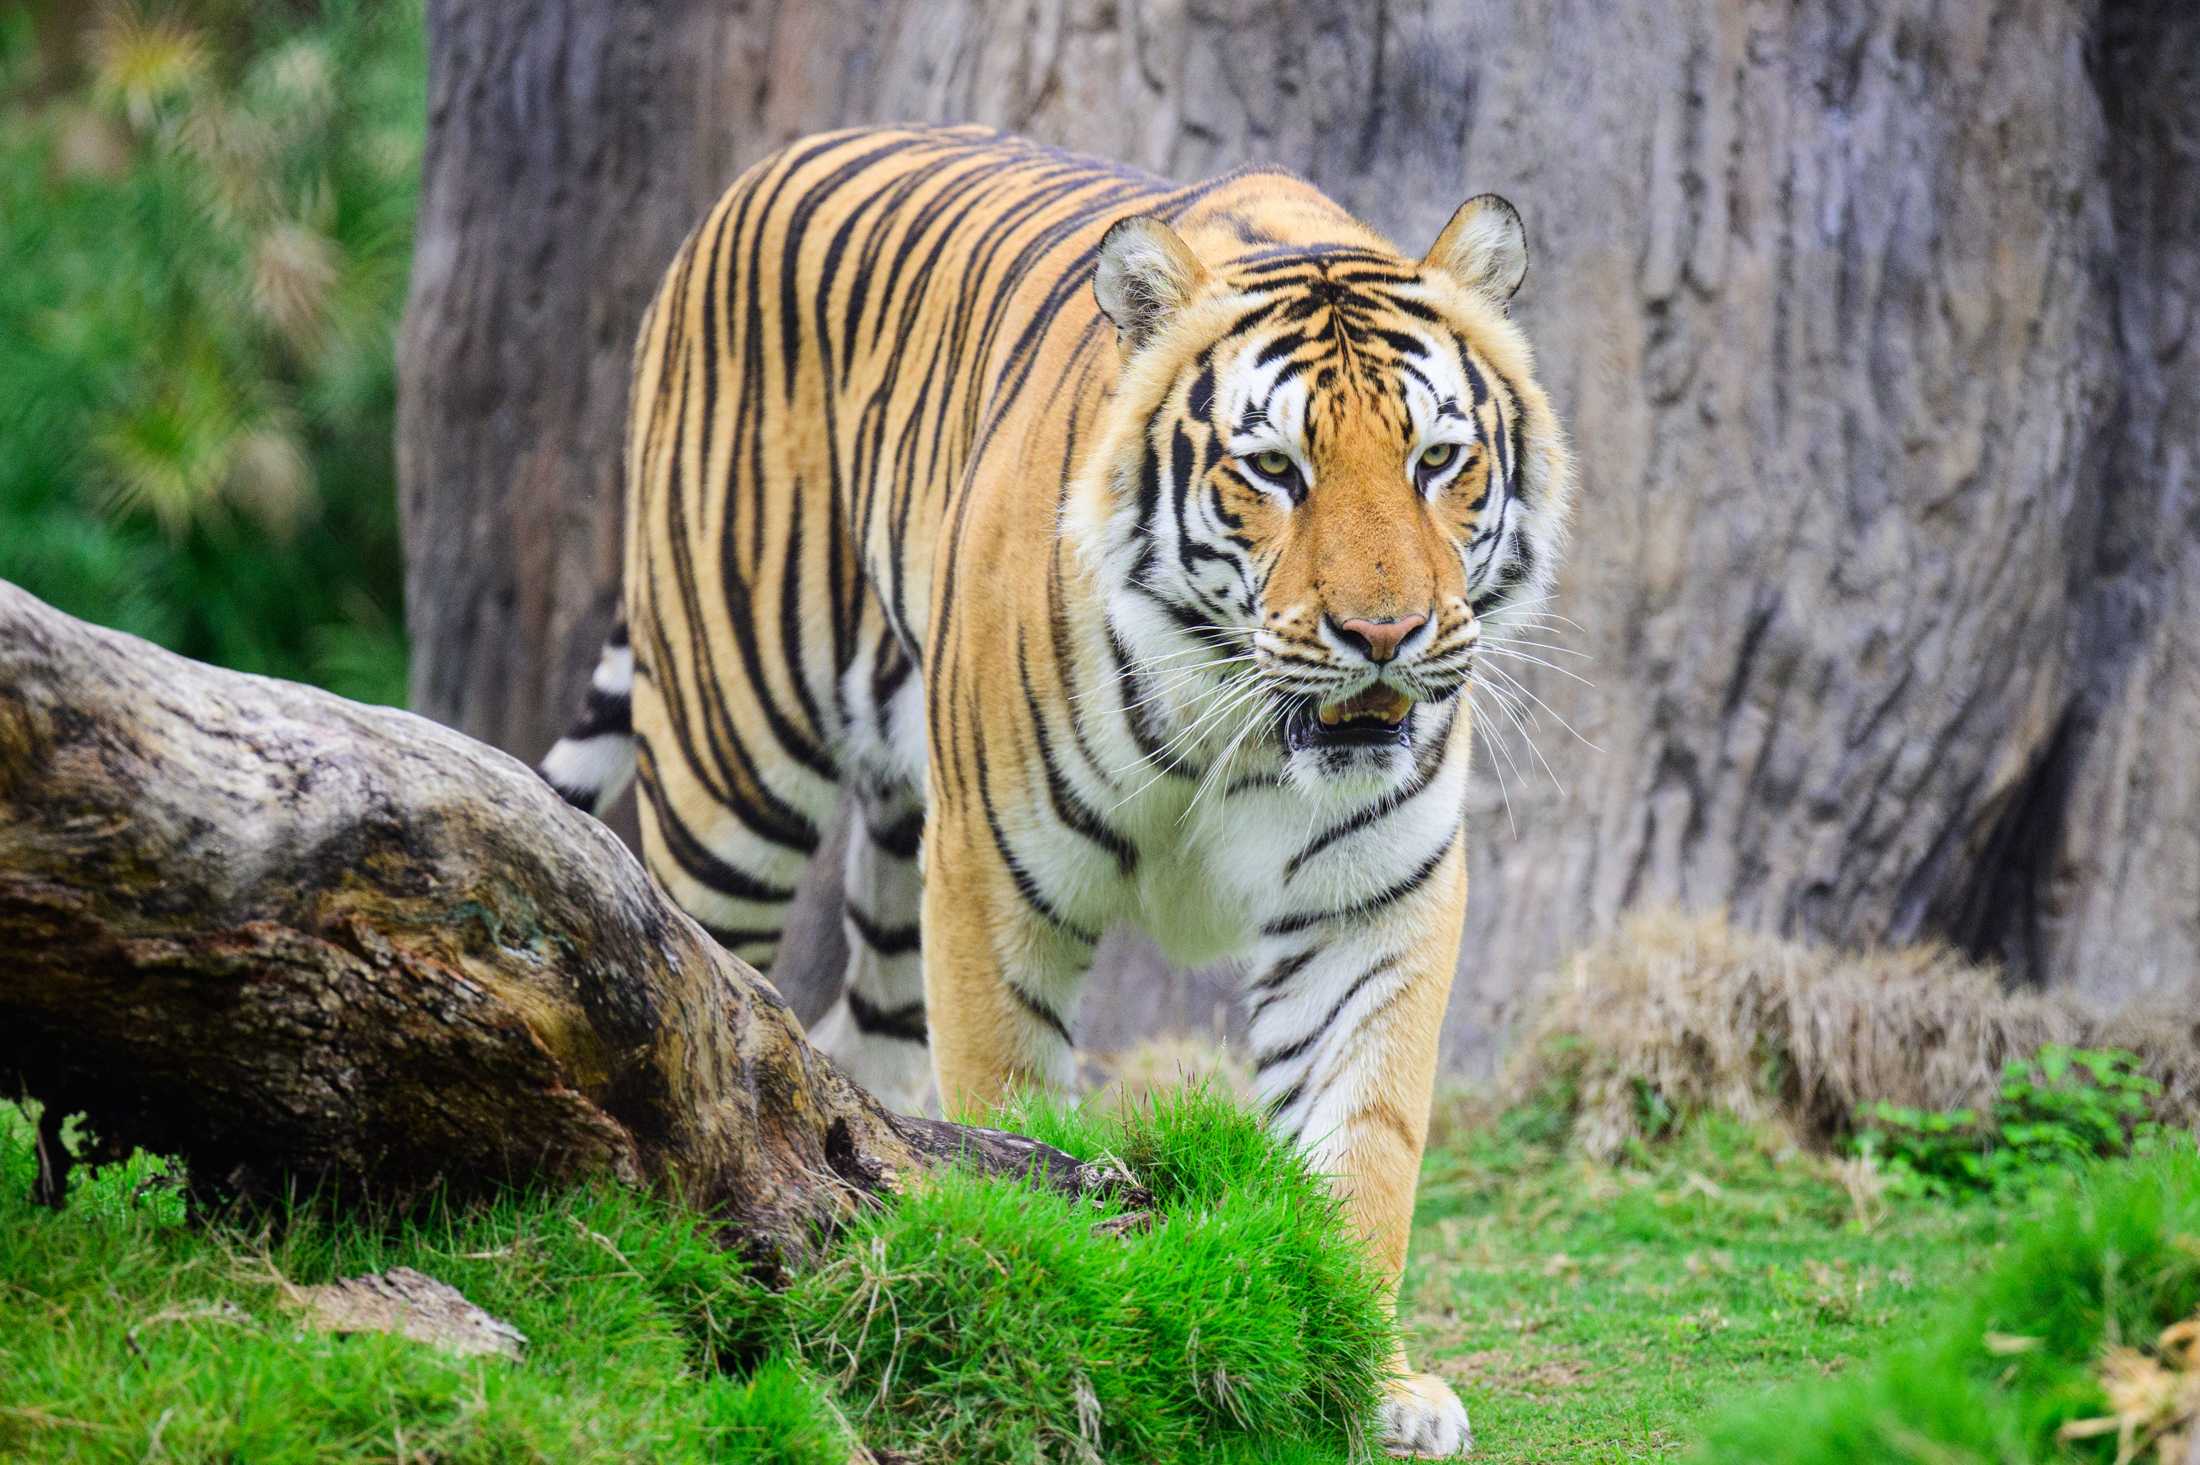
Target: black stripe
(696,860)
(1283,971)
(1131,697)
(733,938)
(905,1022)
(1071,811)
(1026,887)
(1201,400)
(1065,660)
(885,940)
(901,838)
(1423,774)
(1373,903)
(1271,987)
(603,712)
(1367,1019)
(1279,348)
(583,799)
(1290,1051)
(1041,1011)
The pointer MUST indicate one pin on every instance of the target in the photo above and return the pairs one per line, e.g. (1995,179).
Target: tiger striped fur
(1124,548)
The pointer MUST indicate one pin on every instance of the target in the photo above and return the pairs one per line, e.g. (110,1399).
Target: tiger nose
(1379,640)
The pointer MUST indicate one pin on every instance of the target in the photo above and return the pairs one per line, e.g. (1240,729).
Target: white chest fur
(1212,874)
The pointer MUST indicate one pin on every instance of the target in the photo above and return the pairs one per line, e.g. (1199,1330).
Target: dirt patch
(1496,1370)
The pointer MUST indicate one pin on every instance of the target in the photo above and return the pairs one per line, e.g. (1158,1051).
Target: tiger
(1120,549)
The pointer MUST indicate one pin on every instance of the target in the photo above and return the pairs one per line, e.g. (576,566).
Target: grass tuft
(1998,1373)
(982,1321)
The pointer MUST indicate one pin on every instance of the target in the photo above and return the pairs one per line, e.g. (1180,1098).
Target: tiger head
(1323,469)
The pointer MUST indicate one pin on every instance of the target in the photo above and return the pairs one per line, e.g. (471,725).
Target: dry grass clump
(1689,1012)
(1166,1064)
(2155,1396)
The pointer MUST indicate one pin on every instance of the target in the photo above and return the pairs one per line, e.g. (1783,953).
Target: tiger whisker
(1140,667)
(1505,631)
(1260,712)
(1489,735)
(1181,677)
(1243,688)
(1505,705)
(1522,616)
(1525,610)
(1159,773)
(1175,678)
(1522,689)
(1207,641)
(1511,655)
(1549,646)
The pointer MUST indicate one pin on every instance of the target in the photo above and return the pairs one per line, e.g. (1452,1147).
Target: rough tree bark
(292,939)
(2109,880)
(1872,321)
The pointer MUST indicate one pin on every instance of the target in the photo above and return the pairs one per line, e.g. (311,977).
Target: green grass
(2114,1260)
(1719,1298)
(1601,1313)
(994,1326)
(123,1325)
(974,1320)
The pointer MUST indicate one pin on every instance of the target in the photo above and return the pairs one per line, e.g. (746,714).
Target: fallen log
(299,941)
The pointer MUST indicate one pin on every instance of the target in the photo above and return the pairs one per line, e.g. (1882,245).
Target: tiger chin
(1122,550)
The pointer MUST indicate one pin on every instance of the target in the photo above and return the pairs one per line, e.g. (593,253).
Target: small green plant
(1654,1113)
(2060,1106)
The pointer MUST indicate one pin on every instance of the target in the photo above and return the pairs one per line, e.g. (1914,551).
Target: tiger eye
(1439,456)
(1272,464)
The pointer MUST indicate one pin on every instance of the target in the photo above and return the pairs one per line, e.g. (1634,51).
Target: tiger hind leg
(875,1029)
(594,762)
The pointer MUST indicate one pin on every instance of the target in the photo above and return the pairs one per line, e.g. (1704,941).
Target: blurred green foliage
(2058,1108)
(205,220)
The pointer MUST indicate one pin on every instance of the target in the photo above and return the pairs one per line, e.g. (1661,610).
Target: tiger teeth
(1384,704)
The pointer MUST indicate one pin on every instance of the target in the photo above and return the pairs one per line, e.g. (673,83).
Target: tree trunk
(2109,889)
(297,940)
(1871,321)
(564,163)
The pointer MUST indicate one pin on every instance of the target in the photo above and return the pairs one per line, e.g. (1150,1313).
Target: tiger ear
(1145,275)
(1484,248)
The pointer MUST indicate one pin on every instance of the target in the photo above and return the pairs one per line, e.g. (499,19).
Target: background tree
(1873,322)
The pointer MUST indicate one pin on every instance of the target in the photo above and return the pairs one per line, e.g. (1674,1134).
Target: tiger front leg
(1001,972)
(1345,1021)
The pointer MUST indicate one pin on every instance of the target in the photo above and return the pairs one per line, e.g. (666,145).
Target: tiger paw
(1423,1418)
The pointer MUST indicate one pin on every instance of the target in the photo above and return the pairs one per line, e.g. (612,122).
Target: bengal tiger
(1123,547)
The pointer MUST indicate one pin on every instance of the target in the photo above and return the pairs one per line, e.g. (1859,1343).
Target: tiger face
(1331,467)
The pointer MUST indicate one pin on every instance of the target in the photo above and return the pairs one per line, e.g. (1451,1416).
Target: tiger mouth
(1379,717)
